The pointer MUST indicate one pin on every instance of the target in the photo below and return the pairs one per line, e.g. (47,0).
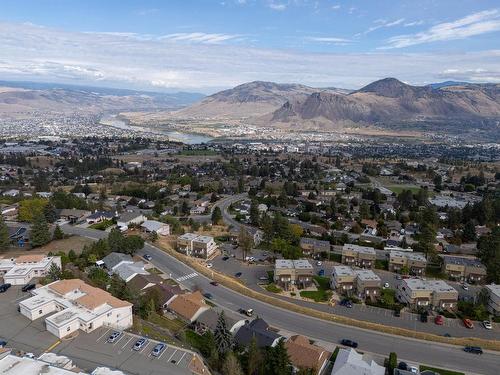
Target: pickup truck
(247,312)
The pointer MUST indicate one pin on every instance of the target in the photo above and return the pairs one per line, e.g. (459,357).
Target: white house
(153,226)
(75,305)
(20,270)
(349,362)
(128,218)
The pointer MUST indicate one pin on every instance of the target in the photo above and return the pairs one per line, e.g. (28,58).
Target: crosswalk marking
(186,277)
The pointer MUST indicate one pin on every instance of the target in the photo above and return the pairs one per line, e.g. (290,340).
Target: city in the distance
(250,187)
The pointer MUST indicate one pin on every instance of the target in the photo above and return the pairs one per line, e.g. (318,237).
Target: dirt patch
(75,243)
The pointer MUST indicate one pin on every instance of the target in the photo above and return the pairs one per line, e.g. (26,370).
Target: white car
(487,324)
(386,285)
(319,263)
(465,287)
(209,265)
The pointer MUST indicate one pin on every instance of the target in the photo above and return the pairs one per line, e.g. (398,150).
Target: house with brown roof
(305,355)
(74,306)
(188,306)
(20,270)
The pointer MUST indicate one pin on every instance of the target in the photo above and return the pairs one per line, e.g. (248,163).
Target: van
(28,287)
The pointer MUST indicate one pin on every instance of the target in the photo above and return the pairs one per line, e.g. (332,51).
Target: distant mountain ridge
(22,97)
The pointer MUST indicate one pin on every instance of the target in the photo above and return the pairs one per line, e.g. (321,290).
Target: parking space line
(130,339)
(172,355)
(180,360)
(163,352)
(145,346)
(120,339)
(104,334)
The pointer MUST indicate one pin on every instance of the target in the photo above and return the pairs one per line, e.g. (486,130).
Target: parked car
(247,312)
(114,336)
(160,347)
(3,343)
(238,274)
(350,343)
(473,349)
(319,263)
(347,303)
(439,320)
(397,313)
(28,287)
(264,278)
(487,324)
(141,343)
(468,323)
(386,285)
(321,272)
(424,317)
(214,283)
(208,296)
(465,287)
(147,257)
(4,287)
(224,258)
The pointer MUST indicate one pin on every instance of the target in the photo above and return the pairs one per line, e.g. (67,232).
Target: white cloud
(199,37)
(122,60)
(474,24)
(336,7)
(413,23)
(329,39)
(277,6)
(381,23)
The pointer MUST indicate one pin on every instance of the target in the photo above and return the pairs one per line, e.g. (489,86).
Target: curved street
(439,355)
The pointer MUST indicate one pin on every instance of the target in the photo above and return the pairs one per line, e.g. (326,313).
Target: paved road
(412,350)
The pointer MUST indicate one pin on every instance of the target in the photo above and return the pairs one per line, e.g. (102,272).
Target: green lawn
(273,288)
(318,296)
(323,282)
(399,188)
(440,371)
(381,264)
(103,225)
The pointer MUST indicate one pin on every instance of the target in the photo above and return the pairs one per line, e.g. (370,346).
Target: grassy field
(103,225)
(399,188)
(320,295)
(273,288)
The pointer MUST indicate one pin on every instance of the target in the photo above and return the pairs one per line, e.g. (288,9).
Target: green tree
(99,277)
(49,211)
(254,358)
(40,234)
(132,244)
(231,365)
(277,361)
(58,233)
(393,362)
(222,336)
(216,216)
(54,273)
(254,213)
(4,235)
(116,240)
(469,232)
(489,252)
(72,255)
(31,208)
(245,241)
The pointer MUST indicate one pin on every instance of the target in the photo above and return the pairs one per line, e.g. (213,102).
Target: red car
(468,323)
(439,320)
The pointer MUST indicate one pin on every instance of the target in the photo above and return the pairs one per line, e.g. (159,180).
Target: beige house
(462,268)
(494,299)
(418,293)
(415,263)
(196,245)
(72,305)
(343,279)
(20,270)
(311,246)
(289,272)
(367,283)
(305,355)
(359,256)
(188,306)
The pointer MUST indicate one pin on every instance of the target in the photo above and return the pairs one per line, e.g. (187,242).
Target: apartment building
(418,293)
(414,263)
(312,246)
(76,305)
(494,299)
(343,279)
(367,283)
(193,244)
(289,272)
(20,270)
(463,268)
(359,256)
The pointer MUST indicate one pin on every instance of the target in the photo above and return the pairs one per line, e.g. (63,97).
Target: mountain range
(386,103)
(25,97)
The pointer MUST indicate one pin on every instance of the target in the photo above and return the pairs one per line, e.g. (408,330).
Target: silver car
(158,349)
(114,336)
(139,344)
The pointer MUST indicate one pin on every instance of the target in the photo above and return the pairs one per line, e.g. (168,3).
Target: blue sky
(206,45)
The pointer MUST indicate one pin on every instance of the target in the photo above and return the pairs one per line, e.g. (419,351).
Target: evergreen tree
(267,227)
(49,211)
(231,365)
(116,240)
(4,235)
(222,336)
(72,255)
(216,216)
(54,272)
(40,234)
(254,213)
(58,233)
(254,362)
(277,361)
(469,232)
(245,241)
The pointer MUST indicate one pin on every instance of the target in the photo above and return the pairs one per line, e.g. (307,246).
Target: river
(173,135)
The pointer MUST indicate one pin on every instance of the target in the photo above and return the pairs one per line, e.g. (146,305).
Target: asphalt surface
(430,353)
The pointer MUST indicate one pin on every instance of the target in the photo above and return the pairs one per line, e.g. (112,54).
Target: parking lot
(87,350)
